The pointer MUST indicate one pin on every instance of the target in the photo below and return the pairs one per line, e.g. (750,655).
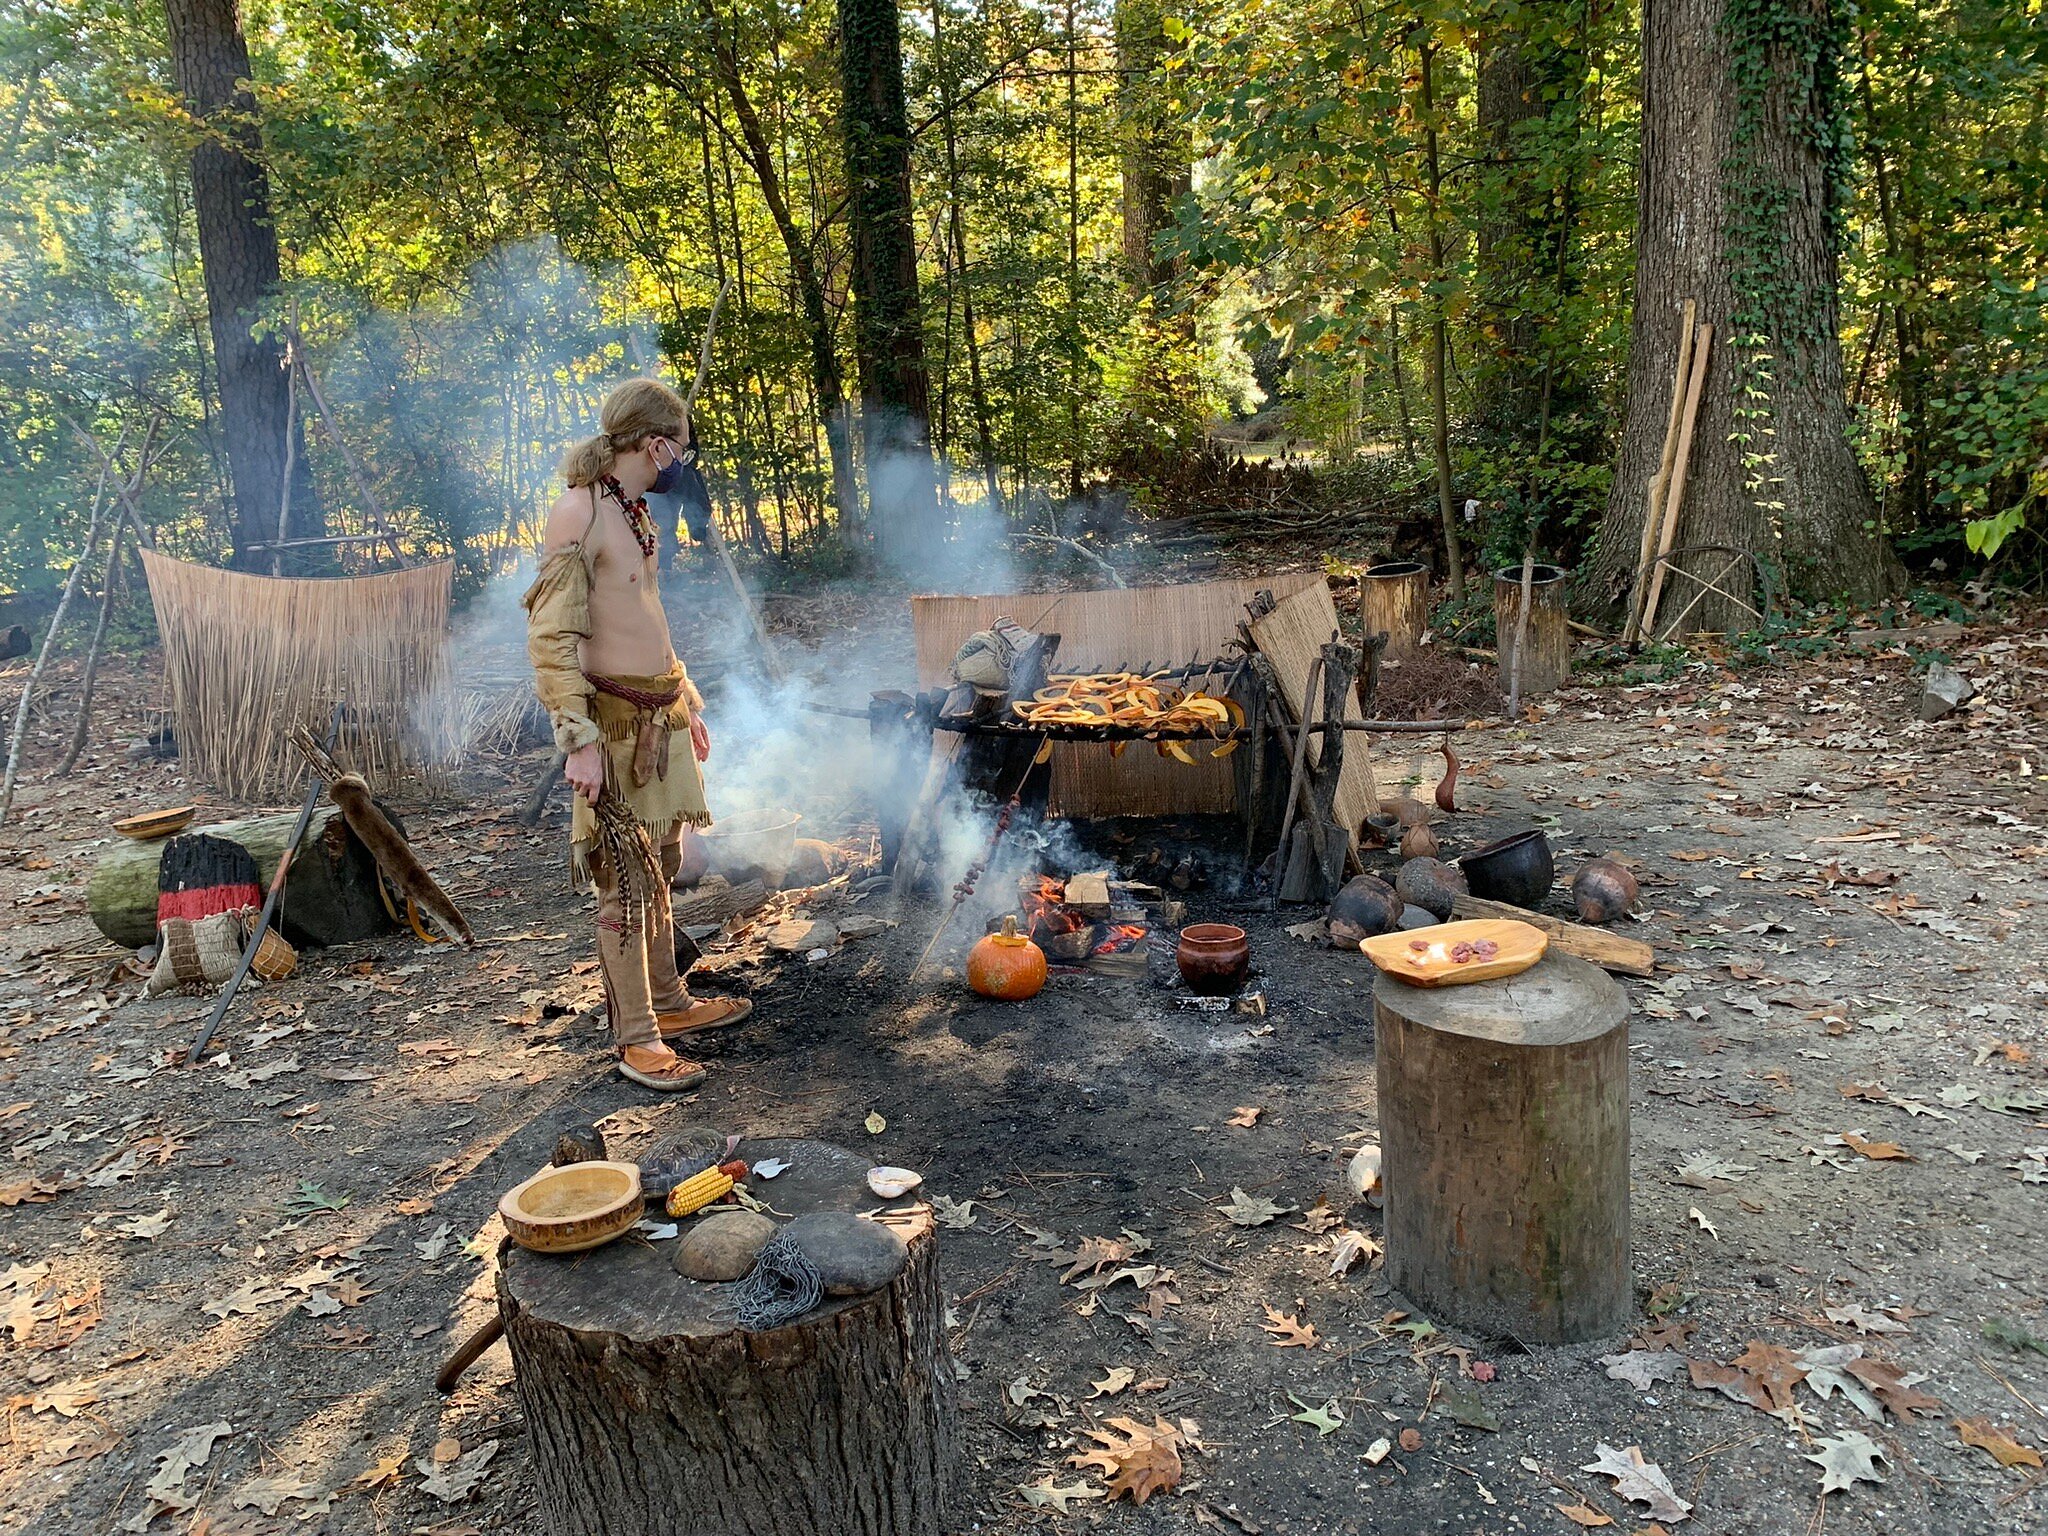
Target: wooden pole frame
(1675,500)
(1659,482)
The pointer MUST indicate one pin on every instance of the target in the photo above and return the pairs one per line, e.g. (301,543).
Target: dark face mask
(666,475)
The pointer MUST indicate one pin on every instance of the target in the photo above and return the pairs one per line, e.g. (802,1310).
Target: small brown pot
(1214,958)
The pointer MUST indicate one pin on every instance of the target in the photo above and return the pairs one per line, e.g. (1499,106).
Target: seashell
(893,1183)
(1362,1177)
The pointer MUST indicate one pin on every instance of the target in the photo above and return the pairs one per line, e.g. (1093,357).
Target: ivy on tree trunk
(1737,210)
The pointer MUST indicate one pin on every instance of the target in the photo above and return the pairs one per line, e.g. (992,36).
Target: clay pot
(1431,884)
(1214,958)
(1516,869)
(1006,965)
(1603,890)
(1363,908)
(1380,831)
(1418,842)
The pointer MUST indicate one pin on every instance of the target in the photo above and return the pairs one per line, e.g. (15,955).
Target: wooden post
(645,1412)
(1394,597)
(1504,1121)
(1547,654)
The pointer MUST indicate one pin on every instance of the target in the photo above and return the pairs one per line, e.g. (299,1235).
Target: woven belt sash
(650,738)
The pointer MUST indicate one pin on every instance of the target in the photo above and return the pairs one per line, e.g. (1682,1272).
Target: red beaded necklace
(638,518)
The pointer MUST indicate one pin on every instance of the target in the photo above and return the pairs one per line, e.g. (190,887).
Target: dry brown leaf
(1245,1116)
(1136,1460)
(1318,1218)
(1893,1387)
(1581,1514)
(1096,1254)
(2004,1449)
(1775,1369)
(1877,1151)
(1730,1382)
(1289,1331)
(387,1472)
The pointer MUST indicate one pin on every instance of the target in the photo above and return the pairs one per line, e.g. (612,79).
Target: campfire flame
(1118,937)
(1044,911)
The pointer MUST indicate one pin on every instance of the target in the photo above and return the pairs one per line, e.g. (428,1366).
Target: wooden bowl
(570,1209)
(153,824)
(1521,946)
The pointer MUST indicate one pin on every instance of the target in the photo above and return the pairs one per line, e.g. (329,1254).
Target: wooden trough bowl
(570,1209)
(1521,946)
(154,824)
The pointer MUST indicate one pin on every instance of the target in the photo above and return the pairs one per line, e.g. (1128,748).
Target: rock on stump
(647,1412)
(1504,1126)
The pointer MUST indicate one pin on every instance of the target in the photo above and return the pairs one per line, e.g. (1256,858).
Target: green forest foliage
(489,211)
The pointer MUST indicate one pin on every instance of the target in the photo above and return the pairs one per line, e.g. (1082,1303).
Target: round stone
(852,1256)
(723,1247)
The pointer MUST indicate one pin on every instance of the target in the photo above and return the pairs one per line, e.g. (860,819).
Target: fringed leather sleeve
(557,618)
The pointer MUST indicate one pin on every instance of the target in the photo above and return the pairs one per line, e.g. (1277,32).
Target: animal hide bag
(394,855)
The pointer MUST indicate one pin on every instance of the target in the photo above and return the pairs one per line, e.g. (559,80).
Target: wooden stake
(71,584)
(92,657)
(1675,502)
(1653,512)
(1521,629)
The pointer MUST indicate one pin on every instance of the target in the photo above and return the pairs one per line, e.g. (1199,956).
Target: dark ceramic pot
(1516,869)
(1214,958)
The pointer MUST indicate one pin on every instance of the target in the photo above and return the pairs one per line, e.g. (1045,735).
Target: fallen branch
(1076,547)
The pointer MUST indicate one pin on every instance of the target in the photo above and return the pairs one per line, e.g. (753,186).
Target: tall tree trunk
(895,390)
(826,378)
(1735,209)
(956,235)
(1155,152)
(238,258)
(1439,341)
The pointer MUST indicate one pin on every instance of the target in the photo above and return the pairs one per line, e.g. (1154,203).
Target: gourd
(1006,965)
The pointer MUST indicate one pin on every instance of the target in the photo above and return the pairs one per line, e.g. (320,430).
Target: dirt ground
(1844,1043)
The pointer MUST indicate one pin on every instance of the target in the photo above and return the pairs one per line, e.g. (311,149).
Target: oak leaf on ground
(1138,1461)
(1288,1330)
(2004,1449)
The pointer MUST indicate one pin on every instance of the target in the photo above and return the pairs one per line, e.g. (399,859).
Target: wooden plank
(1088,894)
(1292,636)
(1165,626)
(1609,951)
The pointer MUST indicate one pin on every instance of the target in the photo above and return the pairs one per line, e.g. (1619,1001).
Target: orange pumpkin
(1006,965)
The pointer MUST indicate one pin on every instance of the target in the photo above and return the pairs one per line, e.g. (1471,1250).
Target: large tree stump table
(1505,1139)
(648,1409)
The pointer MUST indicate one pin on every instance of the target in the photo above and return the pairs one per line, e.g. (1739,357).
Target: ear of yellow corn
(698,1191)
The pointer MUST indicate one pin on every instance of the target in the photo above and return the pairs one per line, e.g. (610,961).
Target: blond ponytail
(632,413)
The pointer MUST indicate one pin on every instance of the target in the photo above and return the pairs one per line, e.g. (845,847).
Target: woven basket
(275,959)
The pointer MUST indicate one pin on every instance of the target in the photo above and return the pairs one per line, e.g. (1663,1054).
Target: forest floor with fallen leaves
(224,1292)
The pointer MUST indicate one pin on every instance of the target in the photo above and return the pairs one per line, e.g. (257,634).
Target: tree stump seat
(1504,1129)
(648,1409)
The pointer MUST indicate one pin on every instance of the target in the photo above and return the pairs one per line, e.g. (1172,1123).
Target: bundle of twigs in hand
(627,849)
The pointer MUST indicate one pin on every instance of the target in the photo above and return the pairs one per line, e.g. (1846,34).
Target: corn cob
(698,1191)
(704,1188)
